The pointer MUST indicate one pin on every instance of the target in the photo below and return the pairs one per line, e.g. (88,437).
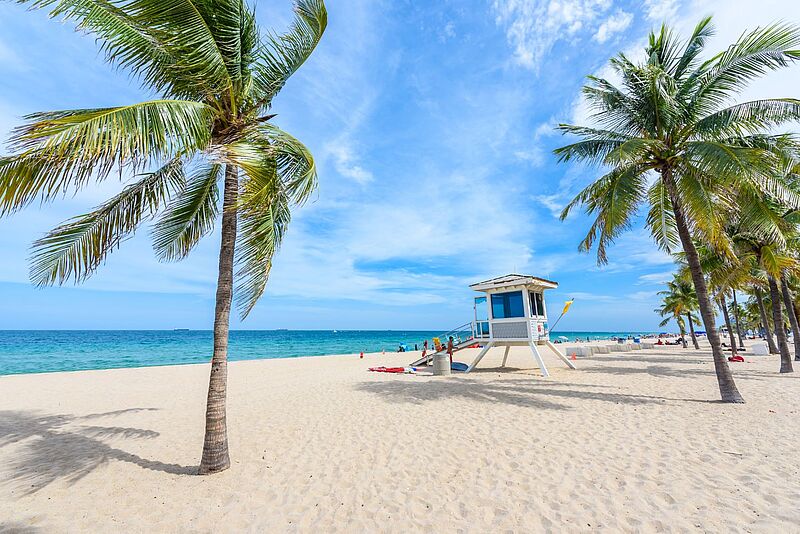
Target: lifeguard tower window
(507,305)
(537,304)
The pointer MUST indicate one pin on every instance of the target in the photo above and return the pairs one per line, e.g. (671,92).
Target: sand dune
(630,442)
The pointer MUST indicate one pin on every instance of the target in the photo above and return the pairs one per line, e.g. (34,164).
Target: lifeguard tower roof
(513,280)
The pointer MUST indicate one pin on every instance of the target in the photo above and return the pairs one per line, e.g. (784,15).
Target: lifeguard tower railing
(463,336)
(473,330)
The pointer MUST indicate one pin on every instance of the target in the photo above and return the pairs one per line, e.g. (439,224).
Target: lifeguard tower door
(538,318)
(481,309)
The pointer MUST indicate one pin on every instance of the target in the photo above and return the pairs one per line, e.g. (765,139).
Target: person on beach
(424,348)
(450,349)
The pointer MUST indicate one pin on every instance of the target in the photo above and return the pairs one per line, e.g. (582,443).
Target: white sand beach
(632,442)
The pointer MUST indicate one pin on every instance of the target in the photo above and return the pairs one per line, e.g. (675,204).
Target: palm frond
(284,54)
(753,54)
(612,200)
(76,248)
(263,225)
(64,150)
(702,31)
(268,153)
(748,118)
(169,44)
(190,216)
(661,218)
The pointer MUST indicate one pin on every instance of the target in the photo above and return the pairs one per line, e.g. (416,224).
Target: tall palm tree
(723,305)
(762,313)
(736,314)
(217,77)
(673,140)
(788,303)
(762,249)
(672,309)
(790,283)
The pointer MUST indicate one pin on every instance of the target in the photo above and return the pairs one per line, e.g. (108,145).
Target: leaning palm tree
(217,77)
(672,138)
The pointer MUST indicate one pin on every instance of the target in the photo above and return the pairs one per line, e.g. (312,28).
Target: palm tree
(762,313)
(789,282)
(672,139)
(672,309)
(736,314)
(217,77)
(680,294)
(777,314)
(723,305)
(761,247)
(788,303)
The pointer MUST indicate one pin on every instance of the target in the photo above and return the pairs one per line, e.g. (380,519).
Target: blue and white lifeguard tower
(511,312)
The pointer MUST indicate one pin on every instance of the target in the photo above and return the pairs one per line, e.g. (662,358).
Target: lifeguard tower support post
(513,313)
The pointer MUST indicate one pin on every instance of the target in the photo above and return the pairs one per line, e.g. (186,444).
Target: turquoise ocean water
(37,351)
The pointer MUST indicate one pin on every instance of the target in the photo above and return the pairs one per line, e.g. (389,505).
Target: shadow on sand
(692,360)
(16,527)
(61,447)
(526,391)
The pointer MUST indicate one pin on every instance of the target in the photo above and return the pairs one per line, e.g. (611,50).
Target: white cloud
(555,203)
(448,31)
(533,26)
(346,162)
(616,23)
(377,251)
(661,10)
(658,278)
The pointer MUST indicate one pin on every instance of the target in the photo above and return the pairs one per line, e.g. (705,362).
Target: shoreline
(80,350)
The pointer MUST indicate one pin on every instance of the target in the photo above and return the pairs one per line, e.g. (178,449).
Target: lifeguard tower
(511,312)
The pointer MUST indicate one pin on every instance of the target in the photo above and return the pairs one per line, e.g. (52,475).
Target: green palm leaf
(263,225)
(64,150)
(190,216)
(284,54)
(754,54)
(76,248)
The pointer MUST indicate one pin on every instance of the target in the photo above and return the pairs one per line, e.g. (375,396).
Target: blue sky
(432,125)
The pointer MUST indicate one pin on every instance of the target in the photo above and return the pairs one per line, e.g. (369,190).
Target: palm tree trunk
(691,331)
(773,349)
(777,321)
(683,334)
(727,386)
(215,446)
(787,302)
(736,318)
(727,317)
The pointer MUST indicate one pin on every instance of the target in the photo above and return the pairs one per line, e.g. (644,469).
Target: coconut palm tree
(765,256)
(723,273)
(680,300)
(788,302)
(671,137)
(736,310)
(759,299)
(217,77)
(681,295)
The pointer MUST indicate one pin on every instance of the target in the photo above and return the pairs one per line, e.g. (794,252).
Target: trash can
(441,364)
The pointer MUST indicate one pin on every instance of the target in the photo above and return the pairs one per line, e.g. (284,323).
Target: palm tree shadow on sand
(54,448)
(525,391)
